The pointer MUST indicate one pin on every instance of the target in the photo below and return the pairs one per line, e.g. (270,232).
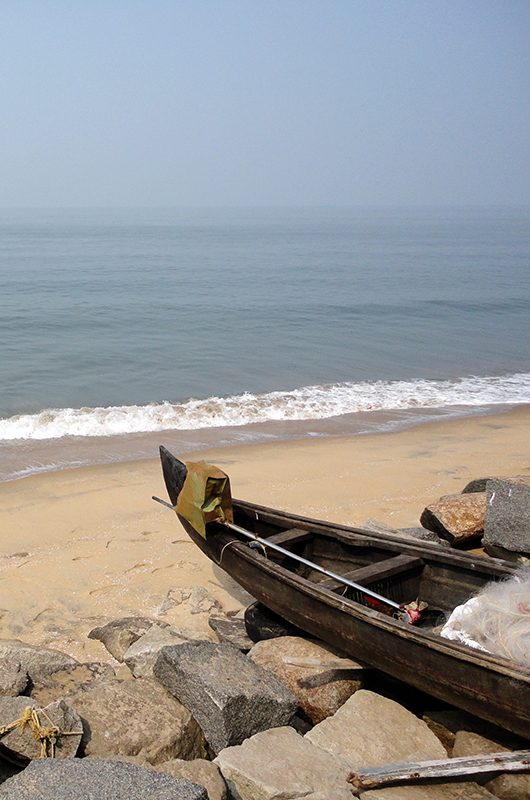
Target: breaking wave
(306,403)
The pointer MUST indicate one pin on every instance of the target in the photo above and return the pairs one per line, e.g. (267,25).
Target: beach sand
(81,547)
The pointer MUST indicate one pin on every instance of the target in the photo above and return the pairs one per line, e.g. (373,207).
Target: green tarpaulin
(205,496)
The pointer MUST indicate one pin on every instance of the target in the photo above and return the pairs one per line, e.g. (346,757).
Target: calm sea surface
(125,322)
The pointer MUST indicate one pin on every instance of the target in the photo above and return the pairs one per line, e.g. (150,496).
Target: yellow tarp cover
(205,496)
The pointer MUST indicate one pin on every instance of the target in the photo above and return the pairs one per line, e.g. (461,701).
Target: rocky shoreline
(256,712)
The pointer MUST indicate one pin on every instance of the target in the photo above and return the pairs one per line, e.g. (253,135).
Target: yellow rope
(46,736)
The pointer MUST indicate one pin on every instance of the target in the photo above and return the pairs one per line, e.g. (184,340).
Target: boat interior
(401,572)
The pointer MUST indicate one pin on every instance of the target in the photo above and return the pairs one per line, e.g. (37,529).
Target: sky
(187,103)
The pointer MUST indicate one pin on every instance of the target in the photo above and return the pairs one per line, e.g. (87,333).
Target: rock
(83,778)
(196,599)
(423,535)
(20,744)
(60,683)
(459,518)
(7,770)
(445,725)
(199,771)
(140,657)
(229,695)
(507,516)
(261,623)
(136,717)
(319,690)
(37,662)
(13,679)
(507,786)
(119,635)
(380,731)
(444,791)
(279,764)
(231,630)
(479,484)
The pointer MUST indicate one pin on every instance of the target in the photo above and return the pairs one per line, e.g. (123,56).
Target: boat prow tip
(174,472)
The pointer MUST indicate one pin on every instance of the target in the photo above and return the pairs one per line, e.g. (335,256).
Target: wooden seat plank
(379,571)
(290,536)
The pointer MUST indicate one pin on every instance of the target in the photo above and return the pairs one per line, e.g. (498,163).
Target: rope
(46,736)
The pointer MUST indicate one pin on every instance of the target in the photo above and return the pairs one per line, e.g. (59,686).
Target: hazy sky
(264,102)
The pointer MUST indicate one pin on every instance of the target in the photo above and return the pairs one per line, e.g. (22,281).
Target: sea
(124,328)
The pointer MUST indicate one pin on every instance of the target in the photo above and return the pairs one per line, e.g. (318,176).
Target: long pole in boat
(312,565)
(301,560)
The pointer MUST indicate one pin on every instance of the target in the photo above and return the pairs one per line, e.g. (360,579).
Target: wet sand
(84,546)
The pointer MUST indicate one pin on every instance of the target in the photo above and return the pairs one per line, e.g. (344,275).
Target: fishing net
(497,620)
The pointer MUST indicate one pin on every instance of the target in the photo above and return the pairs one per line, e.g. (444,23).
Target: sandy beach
(83,546)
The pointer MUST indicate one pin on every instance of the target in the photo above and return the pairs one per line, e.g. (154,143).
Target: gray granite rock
(37,662)
(423,535)
(13,679)
(195,599)
(279,764)
(459,518)
(204,773)
(479,484)
(380,731)
(229,695)
(231,630)
(96,779)
(61,683)
(117,636)
(20,744)
(140,657)
(507,516)
(319,690)
(136,717)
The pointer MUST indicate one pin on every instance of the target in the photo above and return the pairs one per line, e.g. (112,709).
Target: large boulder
(61,683)
(136,717)
(507,517)
(307,669)
(13,678)
(506,786)
(459,518)
(140,657)
(279,764)
(204,773)
(37,662)
(262,623)
(26,741)
(231,630)
(117,636)
(479,484)
(379,731)
(80,779)
(229,695)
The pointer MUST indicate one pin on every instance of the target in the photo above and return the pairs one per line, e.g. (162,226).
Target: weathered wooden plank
(290,536)
(464,769)
(379,571)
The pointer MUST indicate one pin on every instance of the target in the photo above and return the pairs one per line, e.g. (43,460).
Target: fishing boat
(361,591)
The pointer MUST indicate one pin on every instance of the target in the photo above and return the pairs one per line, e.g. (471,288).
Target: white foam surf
(306,403)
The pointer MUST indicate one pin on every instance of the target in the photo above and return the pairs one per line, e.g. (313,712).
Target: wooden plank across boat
(331,609)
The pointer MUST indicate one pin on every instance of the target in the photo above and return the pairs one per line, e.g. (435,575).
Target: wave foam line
(306,403)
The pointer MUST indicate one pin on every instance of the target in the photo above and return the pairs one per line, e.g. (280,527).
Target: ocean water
(247,325)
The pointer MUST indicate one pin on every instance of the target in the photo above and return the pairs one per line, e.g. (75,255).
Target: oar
(411,615)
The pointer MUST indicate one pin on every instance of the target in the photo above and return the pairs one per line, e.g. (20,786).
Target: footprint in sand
(157,569)
(136,566)
(102,589)
(80,558)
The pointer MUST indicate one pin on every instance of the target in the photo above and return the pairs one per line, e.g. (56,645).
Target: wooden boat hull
(489,687)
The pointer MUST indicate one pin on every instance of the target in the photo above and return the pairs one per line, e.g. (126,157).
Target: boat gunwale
(433,551)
